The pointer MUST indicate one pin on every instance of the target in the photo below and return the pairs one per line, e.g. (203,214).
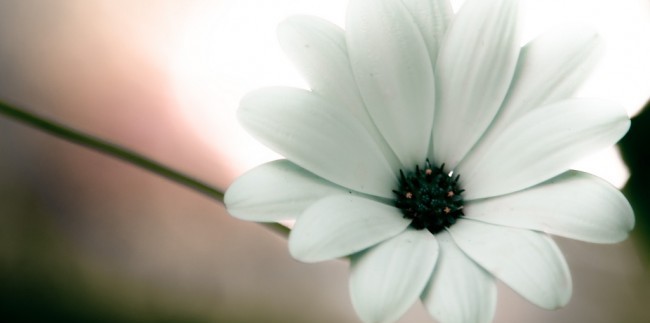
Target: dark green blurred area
(44,277)
(635,148)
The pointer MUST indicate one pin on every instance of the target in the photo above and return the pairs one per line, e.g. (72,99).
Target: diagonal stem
(118,152)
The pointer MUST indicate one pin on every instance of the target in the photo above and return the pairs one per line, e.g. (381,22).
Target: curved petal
(386,280)
(321,137)
(550,69)
(393,70)
(527,261)
(574,205)
(432,18)
(318,48)
(340,225)
(276,191)
(459,290)
(474,70)
(541,145)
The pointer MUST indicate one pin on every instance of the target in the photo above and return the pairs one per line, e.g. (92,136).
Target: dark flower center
(429,197)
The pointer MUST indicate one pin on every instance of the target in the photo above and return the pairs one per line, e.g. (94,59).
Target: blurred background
(84,237)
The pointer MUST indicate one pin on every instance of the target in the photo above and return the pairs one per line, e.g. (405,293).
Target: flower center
(429,197)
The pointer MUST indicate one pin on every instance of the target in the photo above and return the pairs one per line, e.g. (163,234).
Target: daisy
(434,152)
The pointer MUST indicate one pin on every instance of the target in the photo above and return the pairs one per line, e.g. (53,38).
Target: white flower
(404,85)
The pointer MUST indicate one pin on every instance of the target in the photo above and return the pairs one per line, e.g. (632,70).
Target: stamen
(429,197)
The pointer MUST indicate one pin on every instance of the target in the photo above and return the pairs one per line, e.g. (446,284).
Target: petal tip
(303,252)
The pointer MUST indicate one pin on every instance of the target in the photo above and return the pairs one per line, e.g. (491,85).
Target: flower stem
(118,152)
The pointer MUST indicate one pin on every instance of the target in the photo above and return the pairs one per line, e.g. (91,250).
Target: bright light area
(608,164)
(228,48)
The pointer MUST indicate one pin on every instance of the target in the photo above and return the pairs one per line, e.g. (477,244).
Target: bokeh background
(86,238)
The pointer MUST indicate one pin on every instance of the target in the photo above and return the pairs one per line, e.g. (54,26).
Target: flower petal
(386,280)
(574,205)
(550,69)
(459,290)
(341,225)
(393,70)
(541,145)
(527,261)
(432,18)
(321,137)
(318,48)
(474,70)
(275,191)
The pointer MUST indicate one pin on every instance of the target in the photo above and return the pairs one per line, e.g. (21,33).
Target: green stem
(118,152)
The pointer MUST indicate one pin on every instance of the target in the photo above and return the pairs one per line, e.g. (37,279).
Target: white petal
(550,69)
(542,144)
(574,205)
(278,190)
(341,225)
(393,70)
(527,261)
(459,290)
(318,48)
(386,280)
(474,70)
(432,18)
(321,137)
